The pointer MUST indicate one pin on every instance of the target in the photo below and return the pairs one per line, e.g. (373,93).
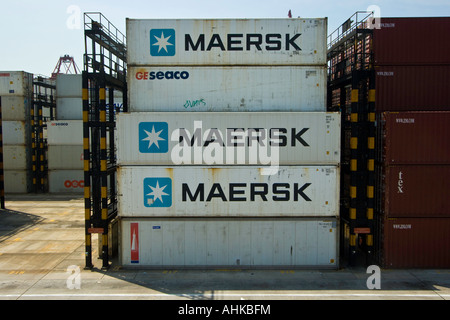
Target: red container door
(415,138)
(417,191)
(412,41)
(412,88)
(415,243)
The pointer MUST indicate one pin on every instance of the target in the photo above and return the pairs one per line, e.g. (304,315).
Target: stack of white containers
(16,91)
(228,157)
(65,137)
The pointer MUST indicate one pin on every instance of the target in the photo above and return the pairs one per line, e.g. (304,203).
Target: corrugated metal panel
(65,157)
(412,88)
(284,138)
(414,242)
(16,157)
(227,42)
(15,132)
(414,138)
(68,86)
(69,108)
(65,132)
(416,191)
(16,108)
(231,243)
(227,88)
(412,41)
(228,191)
(16,181)
(16,83)
(66,181)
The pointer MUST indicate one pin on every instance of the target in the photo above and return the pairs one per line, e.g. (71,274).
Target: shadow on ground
(13,222)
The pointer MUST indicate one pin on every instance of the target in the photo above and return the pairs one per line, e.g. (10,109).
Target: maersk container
(16,83)
(66,181)
(222,138)
(65,132)
(413,242)
(194,89)
(414,190)
(65,157)
(240,42)
(231,243)
(69,86)
(413,137)
(15,132)
(233,191)
(15,108)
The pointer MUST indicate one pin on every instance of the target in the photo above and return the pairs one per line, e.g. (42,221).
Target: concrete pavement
(42,257)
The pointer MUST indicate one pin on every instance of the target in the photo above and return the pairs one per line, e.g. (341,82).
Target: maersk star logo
(153,137)
(157,192)
(162,42)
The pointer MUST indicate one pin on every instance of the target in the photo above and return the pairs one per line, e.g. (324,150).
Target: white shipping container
(17,83)
(234,191)
(69,108)
(16,157)
(227,89)
(16,181)
(269,138)
(15,132)
(65,132)
(66,181)
(226,41)
(65,157)
(236,243)
(69,85)
(15,108)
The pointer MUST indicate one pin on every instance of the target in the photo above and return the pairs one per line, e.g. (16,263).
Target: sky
(34,34)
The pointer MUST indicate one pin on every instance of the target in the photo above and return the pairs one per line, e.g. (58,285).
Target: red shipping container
(414,191)
(412,41)
(412,88)
(413,242)
(413,138)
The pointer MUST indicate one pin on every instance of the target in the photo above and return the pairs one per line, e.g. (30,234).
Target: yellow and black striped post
(370,164)
(33,148)
(103,175)
(87,176)
(40,147)
(354,143)
(2,179)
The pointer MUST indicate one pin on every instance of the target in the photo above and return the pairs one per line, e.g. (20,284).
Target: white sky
(34,33)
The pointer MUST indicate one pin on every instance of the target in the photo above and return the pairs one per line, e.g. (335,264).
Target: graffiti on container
(194,103)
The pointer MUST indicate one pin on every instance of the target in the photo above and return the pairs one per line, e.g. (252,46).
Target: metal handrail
(98,20)
(347,28)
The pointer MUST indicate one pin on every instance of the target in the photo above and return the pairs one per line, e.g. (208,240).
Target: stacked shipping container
(412,63)
(244,179)
(65,137)
(65,156)
(16,92)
